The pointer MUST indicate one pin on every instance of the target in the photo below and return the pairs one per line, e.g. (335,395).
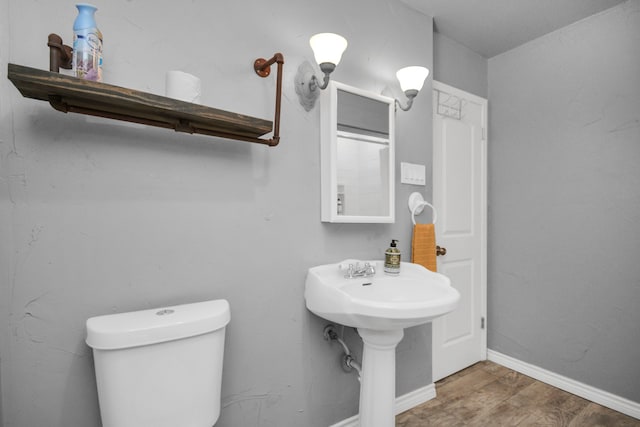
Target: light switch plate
(414,174)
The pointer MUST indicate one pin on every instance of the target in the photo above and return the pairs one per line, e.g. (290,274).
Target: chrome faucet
(356,271)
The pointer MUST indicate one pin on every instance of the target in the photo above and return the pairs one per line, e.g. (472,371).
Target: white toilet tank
(160,367)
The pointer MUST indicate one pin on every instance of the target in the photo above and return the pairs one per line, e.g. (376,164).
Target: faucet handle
(369,270)
(350,272)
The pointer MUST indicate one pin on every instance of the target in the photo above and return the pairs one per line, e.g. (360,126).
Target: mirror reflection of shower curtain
(363,177)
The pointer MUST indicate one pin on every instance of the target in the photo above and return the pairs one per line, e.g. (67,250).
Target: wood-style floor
(488,394)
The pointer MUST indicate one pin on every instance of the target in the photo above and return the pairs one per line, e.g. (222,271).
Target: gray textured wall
(459,66)
(5,217)
(100,217)
(564,201)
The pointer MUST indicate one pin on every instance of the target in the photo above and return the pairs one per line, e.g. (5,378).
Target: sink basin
(379,302)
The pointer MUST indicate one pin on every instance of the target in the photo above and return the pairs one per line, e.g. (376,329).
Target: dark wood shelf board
(70,94)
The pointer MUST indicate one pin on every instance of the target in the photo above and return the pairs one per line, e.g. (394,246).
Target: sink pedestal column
(378,379)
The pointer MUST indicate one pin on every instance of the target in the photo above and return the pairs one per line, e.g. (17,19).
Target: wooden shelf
(70,94)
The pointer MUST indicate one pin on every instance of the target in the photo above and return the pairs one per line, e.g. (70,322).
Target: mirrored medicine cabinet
(357,156)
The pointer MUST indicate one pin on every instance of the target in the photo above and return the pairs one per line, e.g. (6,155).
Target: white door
(459,195)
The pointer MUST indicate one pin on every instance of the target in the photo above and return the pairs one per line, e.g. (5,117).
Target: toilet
(160,367)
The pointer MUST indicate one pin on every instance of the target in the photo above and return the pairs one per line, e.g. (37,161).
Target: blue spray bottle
(87,44)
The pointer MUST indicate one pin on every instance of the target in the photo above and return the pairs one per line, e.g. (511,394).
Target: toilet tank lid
(133,329)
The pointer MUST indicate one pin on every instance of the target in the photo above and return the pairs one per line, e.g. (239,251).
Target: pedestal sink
(380,306)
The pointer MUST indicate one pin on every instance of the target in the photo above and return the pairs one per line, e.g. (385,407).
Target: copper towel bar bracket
(262,68)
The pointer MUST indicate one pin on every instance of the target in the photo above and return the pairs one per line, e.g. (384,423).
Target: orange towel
(423,246)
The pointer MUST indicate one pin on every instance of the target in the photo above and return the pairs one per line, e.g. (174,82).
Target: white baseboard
(403,403)
(415,398)
(588,392)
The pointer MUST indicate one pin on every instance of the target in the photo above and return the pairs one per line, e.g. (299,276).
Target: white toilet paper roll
(182,86)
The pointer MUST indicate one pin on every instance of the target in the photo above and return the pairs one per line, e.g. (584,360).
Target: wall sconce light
(411,80)
(327,50)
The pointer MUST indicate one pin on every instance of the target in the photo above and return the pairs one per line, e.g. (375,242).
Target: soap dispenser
(392,259)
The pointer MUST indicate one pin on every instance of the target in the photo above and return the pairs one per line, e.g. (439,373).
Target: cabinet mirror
(357,155)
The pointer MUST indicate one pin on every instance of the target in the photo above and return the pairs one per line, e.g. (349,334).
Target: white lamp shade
(328,47)
(412,78)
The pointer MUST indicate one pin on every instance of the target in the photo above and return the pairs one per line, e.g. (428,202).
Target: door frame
(439,86)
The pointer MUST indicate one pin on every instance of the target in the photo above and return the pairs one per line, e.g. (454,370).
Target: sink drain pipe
(348,362)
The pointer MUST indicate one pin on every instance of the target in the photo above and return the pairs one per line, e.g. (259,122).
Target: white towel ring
(417,204)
